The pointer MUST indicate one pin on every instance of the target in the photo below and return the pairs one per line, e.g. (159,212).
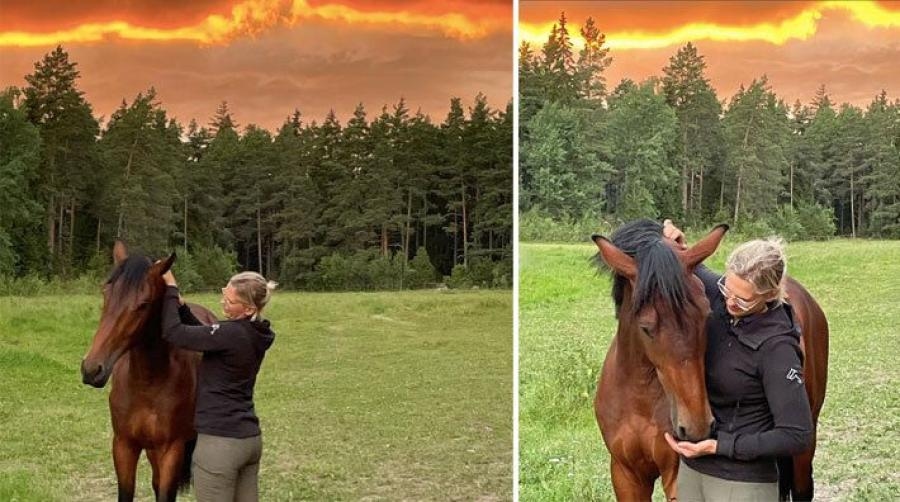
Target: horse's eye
(646,331)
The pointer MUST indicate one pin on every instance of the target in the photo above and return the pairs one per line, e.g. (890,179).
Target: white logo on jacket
(213,329)
(794,374)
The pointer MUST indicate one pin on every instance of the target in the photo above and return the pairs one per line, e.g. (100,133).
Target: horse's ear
(120,252)
(704,248)
(616,258)
(163,266)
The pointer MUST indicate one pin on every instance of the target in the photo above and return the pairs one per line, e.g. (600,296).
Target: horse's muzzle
(95,377)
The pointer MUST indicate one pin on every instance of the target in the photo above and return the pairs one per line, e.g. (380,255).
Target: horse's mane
(131,271)
(659,270)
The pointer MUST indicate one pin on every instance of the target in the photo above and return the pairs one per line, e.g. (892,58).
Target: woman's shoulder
(767,328)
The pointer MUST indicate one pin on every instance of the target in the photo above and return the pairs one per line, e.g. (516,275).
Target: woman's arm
(200,338)
(782,378)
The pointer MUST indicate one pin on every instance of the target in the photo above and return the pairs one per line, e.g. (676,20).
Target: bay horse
(152,398)
(653,378)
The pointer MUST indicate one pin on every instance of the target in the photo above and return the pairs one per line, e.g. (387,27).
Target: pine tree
(142,154)
(756,134)
(20,149)
(68,130)
(640,133)
(593,59)
(687,90)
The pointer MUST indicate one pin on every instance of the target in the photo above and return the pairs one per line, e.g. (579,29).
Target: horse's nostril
(681,432)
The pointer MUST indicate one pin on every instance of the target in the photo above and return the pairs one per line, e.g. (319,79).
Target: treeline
(670,147)
(389,201)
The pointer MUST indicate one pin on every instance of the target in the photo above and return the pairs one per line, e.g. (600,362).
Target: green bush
(503,273)
(185,270)
(757,228)
(817,221)
(459,278)
(214,266)
(35,285)
(479,273)
(335,272)
(359,271)
(7,255)
(420,273)
(786,224)
(384,272)
(535,226)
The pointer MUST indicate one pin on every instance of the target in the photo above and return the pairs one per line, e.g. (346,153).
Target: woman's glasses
(229,301)
(742,304)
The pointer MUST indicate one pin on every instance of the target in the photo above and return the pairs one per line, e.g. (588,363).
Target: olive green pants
(226,469)
(694,486)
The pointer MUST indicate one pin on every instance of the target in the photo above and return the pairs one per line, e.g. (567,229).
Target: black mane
(130,271)
(659,270)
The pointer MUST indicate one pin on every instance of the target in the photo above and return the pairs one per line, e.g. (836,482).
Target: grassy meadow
(364,396)
(567,322)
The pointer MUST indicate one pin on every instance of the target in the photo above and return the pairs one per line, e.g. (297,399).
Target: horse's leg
(153,457)
(125,458)
(628,485)
(669,473)
(169,459)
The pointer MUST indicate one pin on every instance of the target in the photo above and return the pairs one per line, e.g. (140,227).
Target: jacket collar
(755,329)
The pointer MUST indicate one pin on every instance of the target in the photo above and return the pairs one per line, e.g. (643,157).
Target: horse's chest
(151,414)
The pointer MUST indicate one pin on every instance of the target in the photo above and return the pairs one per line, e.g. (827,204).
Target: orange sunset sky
(853,48)
(268,57)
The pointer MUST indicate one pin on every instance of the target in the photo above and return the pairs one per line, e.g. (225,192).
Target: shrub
(7,255)
(535,226)
(214,265)
(786,223)
(420,272)
(503,273)
(757,228)
(459,278)
(185,270)
(817,221)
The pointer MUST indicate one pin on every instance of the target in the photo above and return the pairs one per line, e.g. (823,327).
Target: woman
(754,379)
(225,464)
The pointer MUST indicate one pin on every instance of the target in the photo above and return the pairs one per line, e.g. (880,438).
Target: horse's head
(662,304)
(131,296)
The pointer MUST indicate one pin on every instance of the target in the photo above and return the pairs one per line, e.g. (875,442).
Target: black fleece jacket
(754,378)
(232,354)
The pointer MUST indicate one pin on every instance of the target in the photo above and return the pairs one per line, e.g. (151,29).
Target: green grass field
(567,322)
(364,396)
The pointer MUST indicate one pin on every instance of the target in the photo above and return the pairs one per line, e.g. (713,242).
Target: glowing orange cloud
(252,17)
(800,27)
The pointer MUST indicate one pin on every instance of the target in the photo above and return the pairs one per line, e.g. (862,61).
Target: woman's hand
(169,278)
(670,231)
(691,450)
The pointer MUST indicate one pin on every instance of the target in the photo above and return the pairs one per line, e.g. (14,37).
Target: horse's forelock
(131,272)
(660,272)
